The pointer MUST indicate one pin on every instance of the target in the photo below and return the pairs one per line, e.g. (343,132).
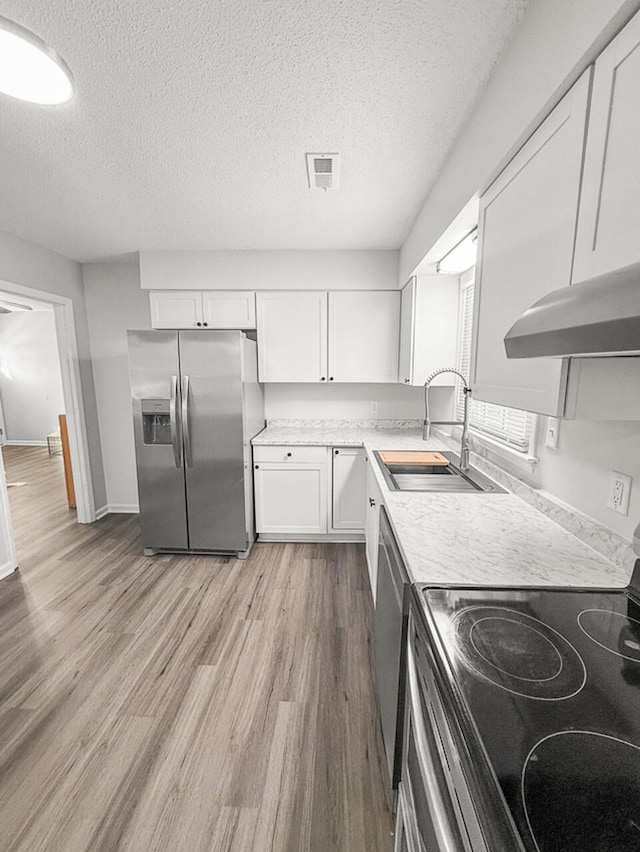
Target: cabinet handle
(330,378)
(288,455)
(336,452)
(406,381)
(372,502)
(205,324)
(322,379)
(198,323)
(257,467)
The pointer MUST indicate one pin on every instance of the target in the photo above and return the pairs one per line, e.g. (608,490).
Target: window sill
(510,460)
(495,451)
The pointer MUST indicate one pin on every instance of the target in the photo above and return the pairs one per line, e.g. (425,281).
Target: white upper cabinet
(203,309)
(428,328)
(229,308)
(176,309)
(609,220)
(364,328)
(292,336)
(342,336)
(526,240)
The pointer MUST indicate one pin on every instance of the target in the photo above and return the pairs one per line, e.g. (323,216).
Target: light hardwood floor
(182,703)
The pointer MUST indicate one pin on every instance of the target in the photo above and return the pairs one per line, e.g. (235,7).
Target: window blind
(508,425)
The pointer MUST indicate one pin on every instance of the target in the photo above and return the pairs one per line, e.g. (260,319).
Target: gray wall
(30,380)
(115,303)
(28,265)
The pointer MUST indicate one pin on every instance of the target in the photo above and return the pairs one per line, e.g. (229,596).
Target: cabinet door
(526,234)
(609,221)
(292,336)
(290,498)
(407,314)
(179,309)
(428,328)
(364,335)
(372,522)
(349,488)
(229,308)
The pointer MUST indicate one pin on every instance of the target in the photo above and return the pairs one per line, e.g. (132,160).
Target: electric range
(543,686)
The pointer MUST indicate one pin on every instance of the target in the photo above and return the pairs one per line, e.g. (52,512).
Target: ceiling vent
(322,170)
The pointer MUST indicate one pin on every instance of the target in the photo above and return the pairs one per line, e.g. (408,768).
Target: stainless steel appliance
(196,405)
(598,317)
(522,723)
(390,627)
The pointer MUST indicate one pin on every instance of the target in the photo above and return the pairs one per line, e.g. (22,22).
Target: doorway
(33,415)
(67,358)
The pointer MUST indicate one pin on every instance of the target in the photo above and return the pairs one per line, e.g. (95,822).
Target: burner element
(613,631)
(517,652)
(580,792)
(515,649)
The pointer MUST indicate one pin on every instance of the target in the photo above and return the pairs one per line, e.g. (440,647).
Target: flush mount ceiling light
(29,69)
(461,256)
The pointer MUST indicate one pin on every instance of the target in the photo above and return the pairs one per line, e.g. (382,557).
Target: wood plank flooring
(182,703)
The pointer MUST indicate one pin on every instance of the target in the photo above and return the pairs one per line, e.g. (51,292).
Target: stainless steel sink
(447,478)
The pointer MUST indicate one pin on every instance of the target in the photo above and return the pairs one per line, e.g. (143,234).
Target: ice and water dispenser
(156,421)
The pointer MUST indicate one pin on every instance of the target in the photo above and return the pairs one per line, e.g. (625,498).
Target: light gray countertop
(466,538)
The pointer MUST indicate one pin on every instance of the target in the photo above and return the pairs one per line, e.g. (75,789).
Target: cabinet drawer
(293,454)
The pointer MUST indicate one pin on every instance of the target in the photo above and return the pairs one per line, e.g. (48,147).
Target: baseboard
(101,512)
(6,569)
(25,443)
(117,509)
(334,537)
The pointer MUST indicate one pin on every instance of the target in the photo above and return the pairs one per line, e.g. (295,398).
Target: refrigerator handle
(173,418)
(186,424)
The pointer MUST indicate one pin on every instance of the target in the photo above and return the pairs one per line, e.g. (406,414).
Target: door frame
(73,400)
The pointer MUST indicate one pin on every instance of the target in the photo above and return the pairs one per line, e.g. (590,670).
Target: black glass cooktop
(551,679)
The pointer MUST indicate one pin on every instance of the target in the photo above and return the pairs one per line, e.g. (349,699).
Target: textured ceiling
(192,119)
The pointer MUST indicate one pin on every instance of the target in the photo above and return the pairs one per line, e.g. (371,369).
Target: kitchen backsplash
(289,423)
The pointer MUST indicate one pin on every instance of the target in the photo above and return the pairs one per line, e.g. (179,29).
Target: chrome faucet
(428,422)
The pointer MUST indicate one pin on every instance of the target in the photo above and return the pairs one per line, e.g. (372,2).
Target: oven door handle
(446,838)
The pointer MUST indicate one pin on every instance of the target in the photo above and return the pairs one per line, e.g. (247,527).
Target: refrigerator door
(213,439)
(155,390)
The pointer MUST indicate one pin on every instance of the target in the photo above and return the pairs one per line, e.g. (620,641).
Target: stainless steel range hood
(599,317)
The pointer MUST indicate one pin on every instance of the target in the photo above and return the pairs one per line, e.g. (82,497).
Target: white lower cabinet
(372,523)
(348,486)
(302,490)
(290,486)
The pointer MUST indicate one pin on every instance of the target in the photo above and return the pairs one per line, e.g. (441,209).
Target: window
(510,426)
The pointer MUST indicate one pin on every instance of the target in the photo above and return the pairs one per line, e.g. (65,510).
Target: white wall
(115,303)
(28,265)
(556,40)
(269,270)
(353,402)
(579,471)
(30,378)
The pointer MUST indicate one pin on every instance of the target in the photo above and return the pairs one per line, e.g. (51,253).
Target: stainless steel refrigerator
(196,405)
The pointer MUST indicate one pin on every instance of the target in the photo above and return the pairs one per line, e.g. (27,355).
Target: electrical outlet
(553,433)
(374,408)
(619,492)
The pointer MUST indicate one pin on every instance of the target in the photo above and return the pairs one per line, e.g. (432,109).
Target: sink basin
(440,477)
